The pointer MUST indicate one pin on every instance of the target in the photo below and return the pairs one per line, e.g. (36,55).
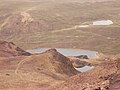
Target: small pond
(85,68)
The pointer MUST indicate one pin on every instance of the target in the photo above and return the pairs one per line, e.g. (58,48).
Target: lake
(68,52)
(71,52)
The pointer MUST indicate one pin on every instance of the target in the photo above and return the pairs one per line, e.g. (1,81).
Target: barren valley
(61,24)
(59,45)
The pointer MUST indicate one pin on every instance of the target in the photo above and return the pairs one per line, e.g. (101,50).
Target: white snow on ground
(103,22)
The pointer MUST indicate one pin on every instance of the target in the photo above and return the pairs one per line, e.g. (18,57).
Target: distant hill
(56,23)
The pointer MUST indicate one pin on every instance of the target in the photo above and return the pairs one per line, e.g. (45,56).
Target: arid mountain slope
(104,76)
(51,70)
(35,72)
(55,23)
(8,49)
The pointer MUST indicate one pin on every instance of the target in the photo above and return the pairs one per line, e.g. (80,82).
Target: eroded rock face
(8,49)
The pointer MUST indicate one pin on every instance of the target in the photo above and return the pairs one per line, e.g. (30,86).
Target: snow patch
(103,22)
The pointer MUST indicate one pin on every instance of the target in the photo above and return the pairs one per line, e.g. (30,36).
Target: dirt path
(81,26)
(71,28)
(5,22)
(18,67)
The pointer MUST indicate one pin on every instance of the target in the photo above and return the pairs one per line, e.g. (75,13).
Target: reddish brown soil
(51,70)
(103,77)
(35,72)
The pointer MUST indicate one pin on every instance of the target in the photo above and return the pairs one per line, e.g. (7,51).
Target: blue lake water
(85,68)
(68,52)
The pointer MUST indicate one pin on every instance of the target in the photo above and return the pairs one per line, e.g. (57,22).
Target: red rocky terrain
(8,49)
(50,70)
(33,72)
(105,76)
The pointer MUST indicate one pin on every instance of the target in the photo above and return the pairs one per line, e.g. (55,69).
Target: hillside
(85,33)
(53,23)
(34,72)
(105,76)
(51,70)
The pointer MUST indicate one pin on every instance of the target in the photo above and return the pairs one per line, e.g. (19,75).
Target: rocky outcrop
(8,49)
